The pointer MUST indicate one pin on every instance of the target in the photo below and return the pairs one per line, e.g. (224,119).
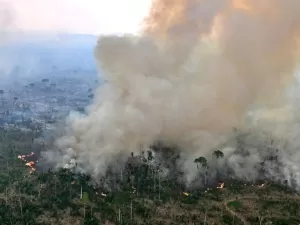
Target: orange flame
(30,164)
(221,185)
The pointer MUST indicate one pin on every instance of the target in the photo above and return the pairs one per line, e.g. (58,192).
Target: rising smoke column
(193,74)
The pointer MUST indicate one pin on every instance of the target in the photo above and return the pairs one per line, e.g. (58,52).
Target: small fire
(30,164)
(185,193)
(221,185)
(23,157)
(261,185)
(73,182)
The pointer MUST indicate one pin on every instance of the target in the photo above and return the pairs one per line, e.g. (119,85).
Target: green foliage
(191,199)
(235,205)
(85,198)
(218,154)
(285,221)
(56,195)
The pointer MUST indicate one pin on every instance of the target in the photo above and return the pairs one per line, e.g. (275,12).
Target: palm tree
(218,154)
(203,161)
(200,160)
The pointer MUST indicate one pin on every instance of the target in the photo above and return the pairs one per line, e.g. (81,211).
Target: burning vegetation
(139,186)
(185,193)
(261,185)
(163,86)
(211,172)
(221,185)
(30,161)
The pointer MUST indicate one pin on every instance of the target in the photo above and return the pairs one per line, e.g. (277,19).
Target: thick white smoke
(195,73)
(7,22)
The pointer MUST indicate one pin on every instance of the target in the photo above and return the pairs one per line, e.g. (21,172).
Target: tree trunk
(261,218)
(158,187)
(205,179)
(131,217)
(55,184)
(21,208)
(153,181)
(217,170)
(39,195)
(6,196)
(83,214)
(119,216)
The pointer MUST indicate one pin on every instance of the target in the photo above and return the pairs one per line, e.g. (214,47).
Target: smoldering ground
(196,72)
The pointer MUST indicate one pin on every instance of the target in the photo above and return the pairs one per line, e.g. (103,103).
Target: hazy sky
(78,16)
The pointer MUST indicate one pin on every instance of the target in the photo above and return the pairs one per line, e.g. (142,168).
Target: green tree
(218,154)
(203,162)
(85,198)
(197,162)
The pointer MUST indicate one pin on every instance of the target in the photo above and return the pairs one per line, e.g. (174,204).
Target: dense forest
(139,194)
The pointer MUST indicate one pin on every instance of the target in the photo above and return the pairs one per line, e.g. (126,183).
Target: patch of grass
(284,221)
(235,205)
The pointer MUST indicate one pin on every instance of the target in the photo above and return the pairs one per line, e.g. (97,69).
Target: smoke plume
(197,70)
(6,21)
